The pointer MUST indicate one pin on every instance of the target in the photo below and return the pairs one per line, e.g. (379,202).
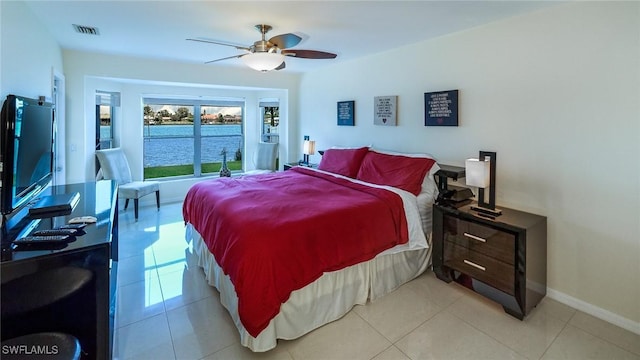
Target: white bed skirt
(327,299)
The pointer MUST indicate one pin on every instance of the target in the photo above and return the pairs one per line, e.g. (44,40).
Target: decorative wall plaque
(346,113)
(385,110)
(441,108)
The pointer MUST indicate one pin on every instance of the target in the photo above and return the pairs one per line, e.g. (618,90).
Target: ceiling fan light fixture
(263,61)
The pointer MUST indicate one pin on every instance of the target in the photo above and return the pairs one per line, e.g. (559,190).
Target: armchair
(114,166)
(264,158)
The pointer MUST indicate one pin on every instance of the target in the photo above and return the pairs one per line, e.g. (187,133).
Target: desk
(95,251)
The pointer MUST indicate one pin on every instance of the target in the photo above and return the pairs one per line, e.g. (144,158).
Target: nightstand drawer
(484,268)
(483,239)
(506,254)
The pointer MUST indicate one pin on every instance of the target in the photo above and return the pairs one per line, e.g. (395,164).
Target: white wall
(556,93)
(29,53)
(136,77)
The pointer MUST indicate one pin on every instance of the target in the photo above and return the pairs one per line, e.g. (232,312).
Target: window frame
(264,135)
(112,100)
(197,122)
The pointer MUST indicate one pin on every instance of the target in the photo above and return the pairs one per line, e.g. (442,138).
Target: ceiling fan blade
(285,41)
(309,54)
(225,58)
(221,43)
(281,66)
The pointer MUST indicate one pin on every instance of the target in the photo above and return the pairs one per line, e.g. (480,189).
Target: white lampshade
(477,173)
(309,147)
(263,61)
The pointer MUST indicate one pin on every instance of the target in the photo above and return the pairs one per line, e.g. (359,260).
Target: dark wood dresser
(502,258)
(86,312)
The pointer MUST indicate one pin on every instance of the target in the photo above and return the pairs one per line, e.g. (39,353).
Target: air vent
(89,30)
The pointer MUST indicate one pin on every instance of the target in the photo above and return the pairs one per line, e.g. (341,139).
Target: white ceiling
(351,29)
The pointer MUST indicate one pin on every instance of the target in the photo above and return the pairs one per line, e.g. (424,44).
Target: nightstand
(288,166)
(502,258)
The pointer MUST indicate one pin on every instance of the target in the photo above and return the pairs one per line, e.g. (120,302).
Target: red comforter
(273,234)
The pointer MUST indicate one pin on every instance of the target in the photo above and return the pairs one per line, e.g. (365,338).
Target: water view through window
(188,139)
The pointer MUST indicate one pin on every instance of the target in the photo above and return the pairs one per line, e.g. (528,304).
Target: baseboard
(595,311)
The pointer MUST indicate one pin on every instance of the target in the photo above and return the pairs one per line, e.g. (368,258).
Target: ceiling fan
(265,55)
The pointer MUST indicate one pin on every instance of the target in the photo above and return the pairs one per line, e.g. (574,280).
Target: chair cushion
(138,189)
(114,165)
(257,172)
(266,155)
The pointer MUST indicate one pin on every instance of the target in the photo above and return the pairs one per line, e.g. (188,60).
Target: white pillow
(349,147)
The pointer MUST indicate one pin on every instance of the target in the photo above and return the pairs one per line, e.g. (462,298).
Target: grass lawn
(179,170)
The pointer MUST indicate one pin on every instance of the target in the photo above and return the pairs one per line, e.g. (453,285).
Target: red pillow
(404,172)
(343,161)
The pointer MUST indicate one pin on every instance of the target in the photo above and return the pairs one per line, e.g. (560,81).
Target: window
(106,103)
(270,120)
(187,137)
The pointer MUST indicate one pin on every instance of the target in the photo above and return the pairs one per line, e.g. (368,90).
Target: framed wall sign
(346,113)
(441,108)
(385,110)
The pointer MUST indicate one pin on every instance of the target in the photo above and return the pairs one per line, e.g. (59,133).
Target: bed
(294,250)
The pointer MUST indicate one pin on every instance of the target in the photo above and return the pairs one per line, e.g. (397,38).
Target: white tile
(604,330)
(136,268)
(348,338)
(133,242)
(391,353)
(447,337)
(139,300)
(185,287)
(530,337)
(174,257)
(167,251)
(396,314)
(176,266)
(556,309)
(436,290)
(169,259)
(201,328)
(574,343)
(239,352)
(172,232)
(146,339)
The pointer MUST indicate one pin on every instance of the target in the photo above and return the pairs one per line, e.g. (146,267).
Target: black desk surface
(96,199)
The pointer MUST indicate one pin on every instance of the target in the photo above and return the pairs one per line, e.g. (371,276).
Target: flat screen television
(26,133)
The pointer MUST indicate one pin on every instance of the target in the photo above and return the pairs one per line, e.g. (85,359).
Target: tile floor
(167,311)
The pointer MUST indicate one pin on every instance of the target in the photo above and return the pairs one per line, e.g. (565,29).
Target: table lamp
(481,173)
(308,148)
